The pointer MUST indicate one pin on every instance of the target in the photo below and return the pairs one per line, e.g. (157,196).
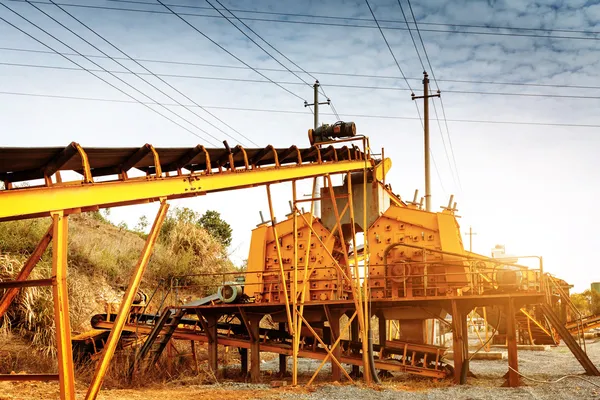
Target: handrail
(564,296)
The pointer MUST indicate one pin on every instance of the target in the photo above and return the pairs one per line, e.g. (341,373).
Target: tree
(142,224)
(219,229)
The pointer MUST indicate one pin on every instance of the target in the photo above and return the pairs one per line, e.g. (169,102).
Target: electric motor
(326,132)
(230,292)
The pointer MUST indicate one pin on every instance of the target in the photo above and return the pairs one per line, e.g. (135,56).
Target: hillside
(100,260)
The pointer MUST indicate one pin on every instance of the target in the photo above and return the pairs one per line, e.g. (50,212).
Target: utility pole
(470,233)
(317,192)
(425,98)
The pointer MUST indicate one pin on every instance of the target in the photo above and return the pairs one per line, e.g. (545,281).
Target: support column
(465,340)
(282,357)
(61,306)
(213,346)
(125,307)
(334,325)
(354,338)
(255,349)
(244,361)
(460,343)
(511,338)
(382,329)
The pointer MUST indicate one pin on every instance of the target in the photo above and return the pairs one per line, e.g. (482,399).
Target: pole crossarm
(40,201)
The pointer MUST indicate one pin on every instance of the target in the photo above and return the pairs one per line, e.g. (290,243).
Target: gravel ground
(487,383)
(540,365)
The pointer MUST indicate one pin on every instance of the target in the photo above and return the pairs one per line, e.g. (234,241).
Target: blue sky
(530,187)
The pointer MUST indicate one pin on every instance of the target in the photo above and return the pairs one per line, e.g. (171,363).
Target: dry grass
(101,258)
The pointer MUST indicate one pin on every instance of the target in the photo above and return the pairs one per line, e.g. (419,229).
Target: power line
(227,51)
(365,19)
(388,45)
(253,41)
(313,72)
(435,167)
(113,75)
(411,35)
(407,84)
(151,73)
(278,111)
(270,45)
(440,97)
(433,102)
(92,73)
(321,23)
(548,95)
(443,141)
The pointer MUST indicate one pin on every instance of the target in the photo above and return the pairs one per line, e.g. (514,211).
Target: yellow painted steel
(37,201)
(60,293)
(128,297)
(300,312)
(295,338)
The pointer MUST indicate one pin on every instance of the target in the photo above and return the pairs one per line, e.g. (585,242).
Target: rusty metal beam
(134,283)
(21,284)
(255,349)
(28,377)
(33,259)
(277,348)
(511,338)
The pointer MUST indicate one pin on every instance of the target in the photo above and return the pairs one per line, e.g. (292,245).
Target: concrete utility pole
(470,233)
(425,98)
(317,192)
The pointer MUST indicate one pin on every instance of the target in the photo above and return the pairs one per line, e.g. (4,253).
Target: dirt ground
(487,384)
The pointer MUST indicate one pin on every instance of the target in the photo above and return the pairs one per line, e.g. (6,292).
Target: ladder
(571,343)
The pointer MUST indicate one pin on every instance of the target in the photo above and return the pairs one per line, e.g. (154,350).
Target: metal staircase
(571,343)
(533,331)
(159,337)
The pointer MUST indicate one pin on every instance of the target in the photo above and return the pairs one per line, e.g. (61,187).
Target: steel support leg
(122,316)
(282,357)
(355,338)
(61,306)
(382,330)
(458,343)
(255,349)
(33,259)
(334,324)
(511,338)
(244,361)
(465,343)
(213,346)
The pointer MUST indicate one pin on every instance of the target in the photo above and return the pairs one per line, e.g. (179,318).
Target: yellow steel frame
(61,306)
(39,201)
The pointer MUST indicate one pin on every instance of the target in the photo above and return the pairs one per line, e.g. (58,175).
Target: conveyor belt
(170,173)
(22,164)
